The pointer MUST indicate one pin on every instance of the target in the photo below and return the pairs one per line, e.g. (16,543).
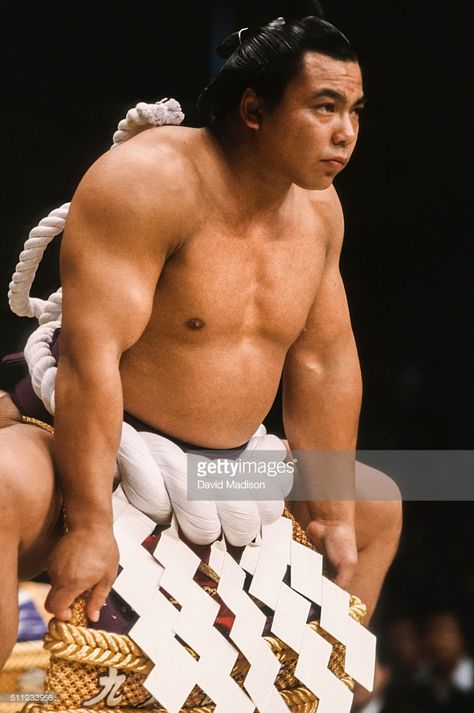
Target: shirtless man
(198,266)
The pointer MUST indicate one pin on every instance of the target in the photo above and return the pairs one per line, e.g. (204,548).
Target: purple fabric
(116,617)
(13,359)
(31,625)
(28,403)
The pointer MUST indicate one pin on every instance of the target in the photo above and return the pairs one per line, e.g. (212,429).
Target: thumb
(59,602)
(345,571)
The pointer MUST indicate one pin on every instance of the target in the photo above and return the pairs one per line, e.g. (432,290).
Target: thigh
(31,500)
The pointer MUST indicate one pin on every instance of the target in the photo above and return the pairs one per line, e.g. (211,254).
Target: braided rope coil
(77,643)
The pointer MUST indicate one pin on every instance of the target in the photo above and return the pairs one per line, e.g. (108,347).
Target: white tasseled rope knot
(143,116)
(152,468)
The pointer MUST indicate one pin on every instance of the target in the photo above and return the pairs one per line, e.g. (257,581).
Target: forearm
(321,414)
(88,420)
(322,400)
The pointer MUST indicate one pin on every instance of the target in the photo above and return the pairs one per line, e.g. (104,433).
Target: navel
(195,323)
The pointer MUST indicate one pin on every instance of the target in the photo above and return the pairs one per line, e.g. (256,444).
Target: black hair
(267,57)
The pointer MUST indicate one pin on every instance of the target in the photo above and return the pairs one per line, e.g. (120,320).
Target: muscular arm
(113,250)
(321,404)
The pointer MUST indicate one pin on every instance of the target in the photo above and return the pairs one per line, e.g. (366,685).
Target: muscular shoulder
(327,206)
(327,212)
(148,178)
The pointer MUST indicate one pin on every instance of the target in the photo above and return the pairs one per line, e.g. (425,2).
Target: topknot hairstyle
(268,56)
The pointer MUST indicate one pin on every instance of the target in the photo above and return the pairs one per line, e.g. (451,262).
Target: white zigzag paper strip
(246,634)
(306,572)
(312,670)
(177,672)
(272,562)
(291,615)
(360,654)
(335,610)
(138,583)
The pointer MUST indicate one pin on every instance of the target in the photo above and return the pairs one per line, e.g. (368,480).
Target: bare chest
(229,287)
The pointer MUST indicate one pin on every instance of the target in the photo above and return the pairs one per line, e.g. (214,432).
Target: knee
(379,502)
(11,487)
(389,518)
(379,525)
(9,475)
(23,470)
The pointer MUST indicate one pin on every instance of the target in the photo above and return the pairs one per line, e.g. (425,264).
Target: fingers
(96,600)
(60,600)
(313,533)
(338,548)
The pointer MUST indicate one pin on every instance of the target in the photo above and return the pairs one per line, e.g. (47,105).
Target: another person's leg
(29,512)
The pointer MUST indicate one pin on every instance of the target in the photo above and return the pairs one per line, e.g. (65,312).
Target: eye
(326,108)
(358,110)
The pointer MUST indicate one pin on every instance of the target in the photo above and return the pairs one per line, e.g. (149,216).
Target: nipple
(195,323)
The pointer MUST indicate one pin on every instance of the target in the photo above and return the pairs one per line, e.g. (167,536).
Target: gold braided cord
(209,572)
(77,643)
(357,609)
(92,646)
(37,422)
(100,648)
(300,700)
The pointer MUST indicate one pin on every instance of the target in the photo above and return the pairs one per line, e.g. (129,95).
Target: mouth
(336,161)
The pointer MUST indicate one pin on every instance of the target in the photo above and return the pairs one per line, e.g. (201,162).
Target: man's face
(310,136)
(444,640)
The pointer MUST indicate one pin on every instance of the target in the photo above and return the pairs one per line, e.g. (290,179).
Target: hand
(83,561)
(336,542)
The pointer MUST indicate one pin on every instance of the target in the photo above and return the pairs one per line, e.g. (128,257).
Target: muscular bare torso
(229,303)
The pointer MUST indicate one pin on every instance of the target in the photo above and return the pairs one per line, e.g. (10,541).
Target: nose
(345,132)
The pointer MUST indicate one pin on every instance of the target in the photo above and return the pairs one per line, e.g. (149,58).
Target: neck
(249,180)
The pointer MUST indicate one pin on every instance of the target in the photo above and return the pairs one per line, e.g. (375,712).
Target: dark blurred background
(71,71)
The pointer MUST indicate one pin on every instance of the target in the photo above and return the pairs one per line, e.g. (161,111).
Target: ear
(251,109)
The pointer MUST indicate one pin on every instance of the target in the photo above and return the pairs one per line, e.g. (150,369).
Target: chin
(315,184)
